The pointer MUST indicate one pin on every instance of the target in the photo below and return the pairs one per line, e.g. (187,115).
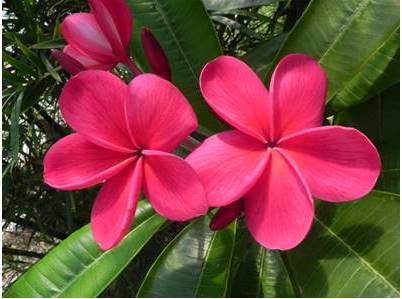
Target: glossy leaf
(258,272)
(78,268)
(179,26)
(194,264)
(354,40)
(49,44)
(379,120)
(351,251)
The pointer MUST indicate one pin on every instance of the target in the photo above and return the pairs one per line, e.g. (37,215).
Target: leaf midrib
(204,263)
(169,27)
(359,257)
(96,260)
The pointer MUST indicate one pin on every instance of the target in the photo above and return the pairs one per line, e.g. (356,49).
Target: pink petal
(297,95)
(75,163)
(158,114)
(227,215)
(69,63)
(114,208)
(237,95)
(173,187)
(338,163)
(81,31)
(115,19)
(279,208)
(87,61)
(92,103)
(229,164)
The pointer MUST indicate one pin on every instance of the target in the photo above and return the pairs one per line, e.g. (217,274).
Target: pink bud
(226,215)
(70,64)
(155,55)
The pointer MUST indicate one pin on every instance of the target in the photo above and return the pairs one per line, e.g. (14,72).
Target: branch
(13,251)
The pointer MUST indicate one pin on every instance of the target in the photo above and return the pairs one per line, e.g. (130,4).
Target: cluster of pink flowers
(270,166)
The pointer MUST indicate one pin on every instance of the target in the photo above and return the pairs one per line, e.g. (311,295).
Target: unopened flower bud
(155,55)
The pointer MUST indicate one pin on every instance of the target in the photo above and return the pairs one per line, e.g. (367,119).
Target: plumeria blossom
(123,138)
(100,39)
(279,156)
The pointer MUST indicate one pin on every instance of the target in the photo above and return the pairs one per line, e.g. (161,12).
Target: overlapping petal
(82,31)
(75,163)
(279,208)
(227,215)
(114,207)
(338,163)
(87,62)
(236,94)
(172,186)
(115,20)
(92,103)
(297,95)
(158,114)
(229,164)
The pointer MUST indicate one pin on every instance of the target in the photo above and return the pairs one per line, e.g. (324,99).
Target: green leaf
(379,120)
(19,65)
(186,33)
(194,264)
(13,78)
(233,4)
(259,272)
(351,251)
(380,71)
(50,44)
(78,268)
(50,67)
(29,54)
(15,127)
(354,40)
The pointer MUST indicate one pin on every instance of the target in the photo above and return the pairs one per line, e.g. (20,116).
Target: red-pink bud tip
(155,55)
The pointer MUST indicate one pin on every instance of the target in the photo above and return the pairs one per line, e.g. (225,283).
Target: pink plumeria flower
(124,136)
(100,39)
(279,157)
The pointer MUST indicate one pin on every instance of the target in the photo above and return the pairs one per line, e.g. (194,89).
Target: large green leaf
(186,34)
(379,120)
(354,40)
(195,264)
(352,250)
(78,268)
(258,272)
